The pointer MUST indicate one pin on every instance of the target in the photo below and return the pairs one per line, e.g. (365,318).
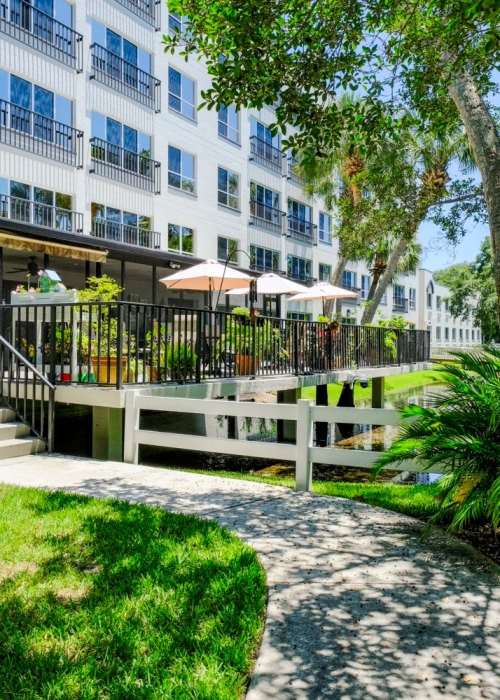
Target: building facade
(103,151)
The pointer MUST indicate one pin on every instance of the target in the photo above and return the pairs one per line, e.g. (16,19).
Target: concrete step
(13,430)
(20,447)
(6,415)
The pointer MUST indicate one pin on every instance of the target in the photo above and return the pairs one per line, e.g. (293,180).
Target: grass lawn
(102,599)
(401,382)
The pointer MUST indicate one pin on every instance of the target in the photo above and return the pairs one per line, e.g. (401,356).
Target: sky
(438,253)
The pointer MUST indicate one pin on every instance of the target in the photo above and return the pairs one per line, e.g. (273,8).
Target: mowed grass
(102,599)
(393,384)
(417,500)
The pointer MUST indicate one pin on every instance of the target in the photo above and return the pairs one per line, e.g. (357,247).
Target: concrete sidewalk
(359,606)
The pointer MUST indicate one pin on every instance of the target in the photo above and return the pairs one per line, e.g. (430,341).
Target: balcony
(302,230)
(41,32)
(41,136)
(125,77)
(266,154)
(292,174)
(132,169)
(400,305)
(147,10)
(43,215)
(266,217)
(128,235)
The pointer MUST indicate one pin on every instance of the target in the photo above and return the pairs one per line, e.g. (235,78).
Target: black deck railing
(125,77)
(40,135)
(264,216)
(27,392)
(117,163)
(147,10)
(38,214)
(266,154)
(126,343)
(302,230)
(122,233)
(41,32)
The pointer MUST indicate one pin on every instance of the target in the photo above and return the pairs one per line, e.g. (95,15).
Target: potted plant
(181,362)
(251,341)
(102,342)
(156,340)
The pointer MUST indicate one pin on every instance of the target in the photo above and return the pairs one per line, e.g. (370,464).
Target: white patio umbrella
(208,276)
(273,285)
(324,291)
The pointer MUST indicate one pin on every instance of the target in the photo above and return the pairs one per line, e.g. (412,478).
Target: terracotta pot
(105,369)
(246,365)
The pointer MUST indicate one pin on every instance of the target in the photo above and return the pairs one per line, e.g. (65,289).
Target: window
(40,206)
(398,295)
(325,228)
(264,259)
(453,334)
(412,296)
(123,226)
(446,305)
(299,268)
(299,316)
(430,292)
(365,286)
(461,334)
(438,303)
(446,334)
(228,188)
(227,249)
(467,334)
(177,24)
(438,332)
(264,134)
(325,272)
(181,94)
(472,333)
(349,279)
(114,133)
(180,239)
(181,170)
(229,124)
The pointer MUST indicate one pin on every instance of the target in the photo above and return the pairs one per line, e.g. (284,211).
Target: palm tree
(459,436)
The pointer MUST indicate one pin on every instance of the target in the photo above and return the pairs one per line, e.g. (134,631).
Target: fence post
(295,339)
(303,464)
(130,446)
(52,366)
(119,347)
(199,344)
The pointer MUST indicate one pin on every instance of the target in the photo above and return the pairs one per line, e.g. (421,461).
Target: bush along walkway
(359,605)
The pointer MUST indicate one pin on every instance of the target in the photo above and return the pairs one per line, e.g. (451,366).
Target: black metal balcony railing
(42,32)
(266,154)
(117,163)
(263,267)
(400,305)
(147,10)
(41,136)
(122,233)
(302,230)
(43,215)
(125,77)
(293,175)
(120,343)
(266,217)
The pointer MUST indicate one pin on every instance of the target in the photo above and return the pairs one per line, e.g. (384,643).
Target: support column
(1,278)
(46,261)
(321,428)
(378,392)
(87,269)
(154,285)
(286,429)
(98,269)
(107,433)
(232,422)
(123,269)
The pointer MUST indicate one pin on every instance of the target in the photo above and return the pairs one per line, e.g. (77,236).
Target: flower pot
(105,369)
(245,364)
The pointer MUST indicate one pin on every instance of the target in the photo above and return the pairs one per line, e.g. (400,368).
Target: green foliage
(181,361)
(251,337)
(323,319)
(473,291)
(459,435)
(393,325)
(103,288)
(102,599)
(241,311)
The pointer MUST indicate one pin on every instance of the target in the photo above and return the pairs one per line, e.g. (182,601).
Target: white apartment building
(102,149)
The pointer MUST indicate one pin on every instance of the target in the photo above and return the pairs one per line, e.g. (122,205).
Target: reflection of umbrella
(207,276)
(324,291)
(272,285)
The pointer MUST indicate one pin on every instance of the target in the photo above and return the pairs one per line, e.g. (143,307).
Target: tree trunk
(336,279)
(484,140)
(377,273)
(385,280)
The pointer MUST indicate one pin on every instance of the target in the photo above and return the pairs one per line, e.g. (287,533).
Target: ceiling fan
(32,268)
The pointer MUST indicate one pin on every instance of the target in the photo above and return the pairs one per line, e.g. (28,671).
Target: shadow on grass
(124,602)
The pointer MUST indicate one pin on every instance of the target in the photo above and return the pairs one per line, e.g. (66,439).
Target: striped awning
(60,250)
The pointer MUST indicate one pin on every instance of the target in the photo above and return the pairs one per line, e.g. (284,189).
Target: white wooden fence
(304,413)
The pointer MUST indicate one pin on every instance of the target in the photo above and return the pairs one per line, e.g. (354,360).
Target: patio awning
(60,250)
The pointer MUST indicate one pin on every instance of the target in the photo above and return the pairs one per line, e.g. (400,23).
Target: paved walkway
(359,606)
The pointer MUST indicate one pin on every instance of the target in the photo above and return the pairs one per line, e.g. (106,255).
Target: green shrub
(459,435)
(181,361)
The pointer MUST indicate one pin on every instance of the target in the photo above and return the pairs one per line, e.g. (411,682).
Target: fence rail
(116,343)
(304,453)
